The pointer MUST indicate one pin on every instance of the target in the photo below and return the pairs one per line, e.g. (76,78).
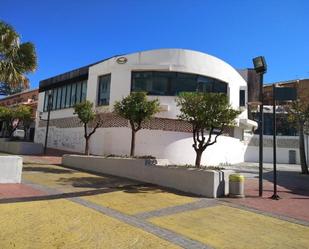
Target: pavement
(57,207)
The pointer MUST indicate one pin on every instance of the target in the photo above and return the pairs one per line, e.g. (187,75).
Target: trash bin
(236,186)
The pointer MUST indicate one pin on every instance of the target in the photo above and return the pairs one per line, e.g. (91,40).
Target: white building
(163,74)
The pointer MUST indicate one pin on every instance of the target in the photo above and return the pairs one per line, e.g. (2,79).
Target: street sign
(285,93)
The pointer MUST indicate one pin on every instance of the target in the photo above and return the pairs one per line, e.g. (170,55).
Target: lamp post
(275,196)
(49,107)
(260,68)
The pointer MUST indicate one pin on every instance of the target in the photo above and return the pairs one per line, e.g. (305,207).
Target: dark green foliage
(87,115)
(137,109)
(6,89)
(16,60)
(207,112)
(14,116)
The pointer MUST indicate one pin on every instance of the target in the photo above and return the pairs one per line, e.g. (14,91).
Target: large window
(104,89)
(68,95)
(172,83)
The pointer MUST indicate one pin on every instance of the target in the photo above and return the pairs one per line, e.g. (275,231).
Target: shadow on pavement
(47,170)
(92,181)
(63,195)
(294,181)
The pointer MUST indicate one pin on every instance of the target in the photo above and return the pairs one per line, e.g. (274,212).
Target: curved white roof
(185,60)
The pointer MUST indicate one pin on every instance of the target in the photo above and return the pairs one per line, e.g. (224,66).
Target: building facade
(162,74)
(28,98)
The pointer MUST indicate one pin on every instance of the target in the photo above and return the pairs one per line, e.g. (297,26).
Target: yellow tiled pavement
(63,224)
(68,180)
(227,227)
(130,200)
(139,199)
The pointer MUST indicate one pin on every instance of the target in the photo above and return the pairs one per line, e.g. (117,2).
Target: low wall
(208,183)
(20,148)
(285,146)
(10,169)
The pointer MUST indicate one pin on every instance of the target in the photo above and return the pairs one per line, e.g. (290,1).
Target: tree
(5,114)
(206,112)
(16,60)
(6,89)
(14,116)
(299,111)
(137,109)
(87,115)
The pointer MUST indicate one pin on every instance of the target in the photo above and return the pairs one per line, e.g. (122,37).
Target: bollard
(236,186)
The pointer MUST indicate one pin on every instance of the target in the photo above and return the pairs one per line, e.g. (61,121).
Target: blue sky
(73,33)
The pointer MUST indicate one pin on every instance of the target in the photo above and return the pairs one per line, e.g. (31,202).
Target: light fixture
(260,65)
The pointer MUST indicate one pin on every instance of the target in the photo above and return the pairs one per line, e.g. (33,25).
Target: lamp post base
(275,197)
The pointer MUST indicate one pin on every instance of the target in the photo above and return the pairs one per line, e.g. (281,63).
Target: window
(45,101)
(54,99)
(104,89)
(73,94)
(172,83)
(58,104)
(84,90)
(67,95)
(242,98)
(78,92)
(63,97)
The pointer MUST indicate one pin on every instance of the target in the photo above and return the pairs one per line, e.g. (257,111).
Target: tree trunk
(132,143)
(302,153)
(198,158)
(86,140)
(87,146)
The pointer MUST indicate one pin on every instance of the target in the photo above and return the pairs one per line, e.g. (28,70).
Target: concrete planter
(10,169)
(20,147)
(208,183)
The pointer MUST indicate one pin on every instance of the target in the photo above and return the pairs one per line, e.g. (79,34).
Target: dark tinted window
(67,95)
(172,83)
(242,98)
(104,89)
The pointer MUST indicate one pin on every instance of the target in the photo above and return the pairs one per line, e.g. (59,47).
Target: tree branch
(220,133)
(98,124)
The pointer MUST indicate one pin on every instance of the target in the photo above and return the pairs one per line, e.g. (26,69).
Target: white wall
(252,152)
(175,146)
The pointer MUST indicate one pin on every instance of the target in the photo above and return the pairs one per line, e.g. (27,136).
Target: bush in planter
(137,109)
(87,115)
(207,112)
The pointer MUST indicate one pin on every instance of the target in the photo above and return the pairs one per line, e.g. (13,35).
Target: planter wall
(10,169)
(208,183)
(20,148)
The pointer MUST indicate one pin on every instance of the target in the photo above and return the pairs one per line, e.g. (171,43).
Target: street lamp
(260,67)
(49,107)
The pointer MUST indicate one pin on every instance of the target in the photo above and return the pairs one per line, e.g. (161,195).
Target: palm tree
(16,59)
